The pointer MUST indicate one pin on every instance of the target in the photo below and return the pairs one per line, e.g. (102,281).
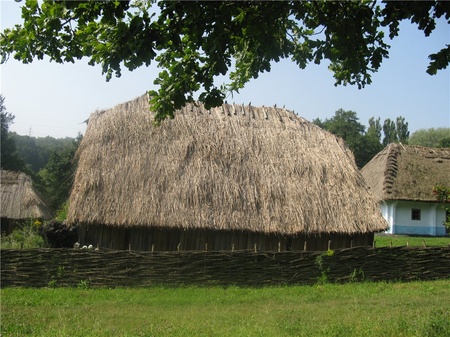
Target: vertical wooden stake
(424,244)
(390,244)
(206,247)
(351,244)
(329,244)
(153,247)
(254,246)
(304,245)
(374,244)
(129,246)
(178,247)
(232,247)
(407,243)
(279,246)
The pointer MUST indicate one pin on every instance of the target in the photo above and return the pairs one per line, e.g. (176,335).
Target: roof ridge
(281,115)
(391,169)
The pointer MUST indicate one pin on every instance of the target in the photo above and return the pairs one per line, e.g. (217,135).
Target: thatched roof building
(402,178)
(20,200)
(232,169)
(405,172)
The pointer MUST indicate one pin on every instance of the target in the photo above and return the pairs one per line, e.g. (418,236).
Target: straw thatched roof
(403,172)
(233,167)
(19,199)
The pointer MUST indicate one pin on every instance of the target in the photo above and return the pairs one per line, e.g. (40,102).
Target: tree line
(50,162)
(365,143)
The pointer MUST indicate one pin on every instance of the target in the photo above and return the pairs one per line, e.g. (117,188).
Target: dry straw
(233,167)
(403,172)
(19,199)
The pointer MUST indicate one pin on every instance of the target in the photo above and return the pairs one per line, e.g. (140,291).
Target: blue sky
(50,99)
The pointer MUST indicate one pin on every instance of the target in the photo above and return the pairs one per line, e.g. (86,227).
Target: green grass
(364,309)
(412,241)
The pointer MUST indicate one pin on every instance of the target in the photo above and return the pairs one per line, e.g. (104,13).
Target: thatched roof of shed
(233,167)
(403,172)
(19,199)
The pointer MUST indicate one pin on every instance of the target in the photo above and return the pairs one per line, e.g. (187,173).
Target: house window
(415,214)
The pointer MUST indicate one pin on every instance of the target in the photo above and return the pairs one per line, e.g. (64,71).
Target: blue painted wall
(398,215)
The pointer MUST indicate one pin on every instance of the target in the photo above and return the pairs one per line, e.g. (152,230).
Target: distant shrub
(61,213)
(25,236)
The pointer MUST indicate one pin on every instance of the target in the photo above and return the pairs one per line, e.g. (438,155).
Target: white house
(402,178)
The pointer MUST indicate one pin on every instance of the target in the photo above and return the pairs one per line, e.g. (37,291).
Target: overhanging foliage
(195,42)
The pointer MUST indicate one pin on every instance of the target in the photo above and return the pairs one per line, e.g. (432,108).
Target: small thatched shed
(233,176)
(402,178)
(20,200)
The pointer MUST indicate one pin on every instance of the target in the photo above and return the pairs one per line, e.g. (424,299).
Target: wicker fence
(112,268)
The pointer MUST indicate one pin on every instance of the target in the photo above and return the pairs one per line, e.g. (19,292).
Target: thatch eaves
(233,167)
(404,172)
(19,199)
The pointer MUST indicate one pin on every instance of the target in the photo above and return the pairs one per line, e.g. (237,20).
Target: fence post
(254,246)
(206,247)
(178,247)
(279,246)
(329,244)
(232,247)
(304,245)
(153,247)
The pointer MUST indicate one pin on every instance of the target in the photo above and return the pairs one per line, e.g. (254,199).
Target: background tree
(365,149)
(434,137)
(29,152)
(401,128)
(364,144)
(444,142)
(395,132)
(35,152)
(375,128)
(195,42)
(346,125)
(58,174)
(390,132)
(9,158)
(372,142)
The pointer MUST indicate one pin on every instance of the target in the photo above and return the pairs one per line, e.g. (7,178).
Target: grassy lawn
(412,241)
(364,309)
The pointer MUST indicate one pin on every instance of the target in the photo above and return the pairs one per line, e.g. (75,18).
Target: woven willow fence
(112,268)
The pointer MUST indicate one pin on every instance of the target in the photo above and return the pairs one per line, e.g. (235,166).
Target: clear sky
(50,99)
